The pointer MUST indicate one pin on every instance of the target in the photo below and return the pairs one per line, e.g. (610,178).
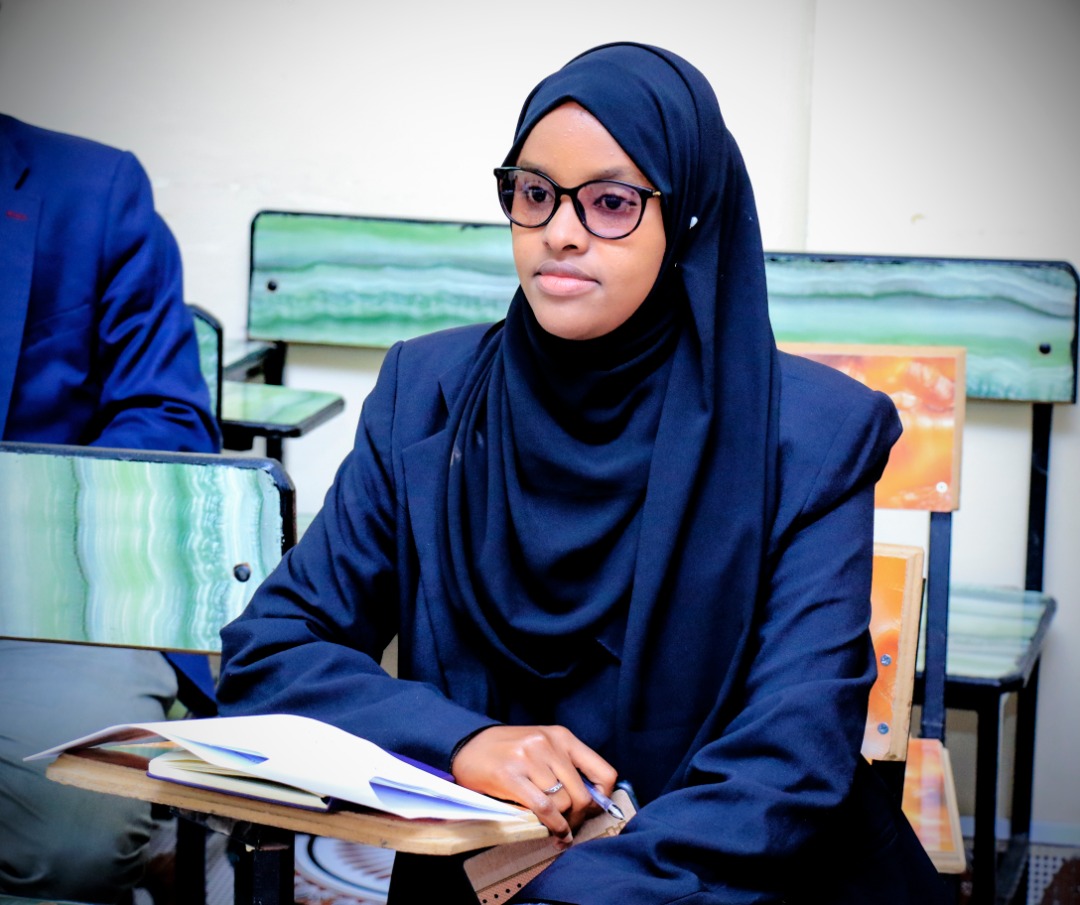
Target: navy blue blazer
(96,344)
(751,797)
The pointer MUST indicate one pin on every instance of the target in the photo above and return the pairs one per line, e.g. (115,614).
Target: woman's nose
(565,228)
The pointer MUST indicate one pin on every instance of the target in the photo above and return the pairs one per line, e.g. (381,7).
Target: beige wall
(917,128)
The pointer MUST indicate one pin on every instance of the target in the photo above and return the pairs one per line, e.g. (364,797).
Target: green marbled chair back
(246,410)
(133,549)
(208,333)
(338,280)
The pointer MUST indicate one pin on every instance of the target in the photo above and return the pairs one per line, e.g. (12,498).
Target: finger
(548,809)
(596,770)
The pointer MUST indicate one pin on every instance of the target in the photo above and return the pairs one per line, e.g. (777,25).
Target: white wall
(927,127)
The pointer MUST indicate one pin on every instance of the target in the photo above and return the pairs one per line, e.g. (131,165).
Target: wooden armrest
(930,804)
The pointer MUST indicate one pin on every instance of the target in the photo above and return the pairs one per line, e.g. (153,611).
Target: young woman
(617,535)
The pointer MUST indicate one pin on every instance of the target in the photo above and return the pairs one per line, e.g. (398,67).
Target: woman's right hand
(518,763)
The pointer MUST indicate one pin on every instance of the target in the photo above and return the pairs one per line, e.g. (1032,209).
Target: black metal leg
(1027,700)
(937,626)
(1042,416)
(264,876)
(984,874)
(1013,871)
(274,364)
(275,449)
(190,862)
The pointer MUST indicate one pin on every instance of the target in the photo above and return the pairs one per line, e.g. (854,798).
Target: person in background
(96,348)
(616,535)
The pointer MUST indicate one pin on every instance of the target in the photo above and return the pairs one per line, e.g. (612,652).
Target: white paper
(314,756)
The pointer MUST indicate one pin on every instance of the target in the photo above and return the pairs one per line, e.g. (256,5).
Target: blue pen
(601,799)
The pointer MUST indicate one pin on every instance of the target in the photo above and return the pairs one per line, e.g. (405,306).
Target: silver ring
(555,788)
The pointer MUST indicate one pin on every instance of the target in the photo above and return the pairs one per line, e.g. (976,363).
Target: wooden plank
(925,383)
(895,605)
(930,804)
(119,773)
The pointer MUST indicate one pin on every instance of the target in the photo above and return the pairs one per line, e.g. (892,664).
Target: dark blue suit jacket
(750,791)
(96,345)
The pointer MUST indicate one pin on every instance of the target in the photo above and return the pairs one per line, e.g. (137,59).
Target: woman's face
(580,286)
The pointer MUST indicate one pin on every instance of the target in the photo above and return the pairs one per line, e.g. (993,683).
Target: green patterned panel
(990,630)
(355,281)
(133,553)
(275,407)
(209,340)
(360,281)
(1017,319)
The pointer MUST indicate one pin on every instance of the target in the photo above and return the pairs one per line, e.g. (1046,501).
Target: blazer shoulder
(57,158)
(443,356)
(835,434)
(811,391)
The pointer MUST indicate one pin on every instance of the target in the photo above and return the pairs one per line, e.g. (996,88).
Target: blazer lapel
(19,217)
(424,466)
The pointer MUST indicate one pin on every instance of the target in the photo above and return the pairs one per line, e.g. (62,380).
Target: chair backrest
(926,383)
(895,605)
(208,332)
(135,549)
(370,281)
(1016,319)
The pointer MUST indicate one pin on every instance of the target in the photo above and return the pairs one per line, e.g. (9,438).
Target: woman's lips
(563,279)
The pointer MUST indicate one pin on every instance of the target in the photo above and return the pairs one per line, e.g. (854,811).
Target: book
(298,761)
(500,872)
(181,766)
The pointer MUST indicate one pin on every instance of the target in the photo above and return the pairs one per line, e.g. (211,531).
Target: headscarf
(594,484)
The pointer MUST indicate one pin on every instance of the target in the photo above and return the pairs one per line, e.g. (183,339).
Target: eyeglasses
(606,208)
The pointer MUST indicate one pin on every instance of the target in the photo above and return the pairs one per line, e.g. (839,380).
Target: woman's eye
(536,194)
(614,202)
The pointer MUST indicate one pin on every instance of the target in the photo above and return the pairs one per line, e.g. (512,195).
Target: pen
(601,799)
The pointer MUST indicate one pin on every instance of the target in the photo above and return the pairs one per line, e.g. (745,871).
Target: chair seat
(260,409)
(995,634)
(242,359)
(930,804)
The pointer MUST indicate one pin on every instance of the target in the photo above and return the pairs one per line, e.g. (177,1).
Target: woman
(618,533)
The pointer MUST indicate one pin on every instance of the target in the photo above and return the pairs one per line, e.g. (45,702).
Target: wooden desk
(266,875)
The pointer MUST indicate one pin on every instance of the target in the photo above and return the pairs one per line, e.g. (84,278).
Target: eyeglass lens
(608,209)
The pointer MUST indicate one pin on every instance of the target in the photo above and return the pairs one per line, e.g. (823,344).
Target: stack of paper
(298,760)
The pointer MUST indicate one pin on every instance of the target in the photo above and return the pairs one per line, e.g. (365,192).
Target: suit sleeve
(153,393)
(311,639)
(759,796)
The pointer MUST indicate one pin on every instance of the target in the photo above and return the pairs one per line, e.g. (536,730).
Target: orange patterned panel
(930,804)
(924,467)
(895,595)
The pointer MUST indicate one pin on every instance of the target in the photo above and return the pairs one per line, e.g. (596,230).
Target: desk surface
(124,774)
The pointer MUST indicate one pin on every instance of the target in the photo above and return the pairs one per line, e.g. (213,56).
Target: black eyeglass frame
(644,193)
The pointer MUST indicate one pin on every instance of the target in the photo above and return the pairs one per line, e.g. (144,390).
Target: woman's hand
(518,763)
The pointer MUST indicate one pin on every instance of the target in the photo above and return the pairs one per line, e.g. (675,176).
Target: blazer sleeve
(153,395)
(311,639)
(760,796)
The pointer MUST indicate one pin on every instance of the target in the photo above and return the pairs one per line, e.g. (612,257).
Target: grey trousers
(55,840)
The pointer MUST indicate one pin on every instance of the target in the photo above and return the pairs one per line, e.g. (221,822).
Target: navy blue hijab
(587,477)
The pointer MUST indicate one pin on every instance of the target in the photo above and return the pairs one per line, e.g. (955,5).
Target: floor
(1053,877)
